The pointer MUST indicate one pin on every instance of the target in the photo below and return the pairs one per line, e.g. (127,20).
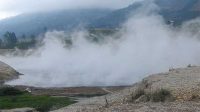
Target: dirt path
(106,90)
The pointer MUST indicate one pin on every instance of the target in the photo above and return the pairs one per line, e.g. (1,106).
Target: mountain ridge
(178,11)
(36,23)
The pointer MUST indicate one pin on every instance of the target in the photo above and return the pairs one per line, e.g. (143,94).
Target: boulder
(7,73)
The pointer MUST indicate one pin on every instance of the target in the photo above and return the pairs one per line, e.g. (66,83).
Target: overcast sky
(12,7)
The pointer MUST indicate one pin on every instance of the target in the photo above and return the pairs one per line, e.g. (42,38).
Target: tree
(24,37)
(29,43)
(1,43)
(10,39)
(33,39)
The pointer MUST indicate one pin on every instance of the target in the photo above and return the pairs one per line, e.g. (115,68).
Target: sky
(13,7)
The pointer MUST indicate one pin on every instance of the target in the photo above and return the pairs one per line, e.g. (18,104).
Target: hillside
(115,18)
(172,10)
(179,11)
(177,90)
(36,23)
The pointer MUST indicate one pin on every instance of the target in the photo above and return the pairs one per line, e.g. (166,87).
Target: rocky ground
(7,73)
(182,86)
(20,110)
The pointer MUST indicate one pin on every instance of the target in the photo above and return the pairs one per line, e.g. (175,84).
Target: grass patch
(19,99)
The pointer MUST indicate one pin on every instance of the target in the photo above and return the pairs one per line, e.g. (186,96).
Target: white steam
(146,45)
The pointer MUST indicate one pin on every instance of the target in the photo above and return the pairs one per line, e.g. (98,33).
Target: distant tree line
(10,41)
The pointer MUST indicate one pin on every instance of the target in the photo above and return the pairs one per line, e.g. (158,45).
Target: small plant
(195,98)
(106,102)
(138,94)
(160,95)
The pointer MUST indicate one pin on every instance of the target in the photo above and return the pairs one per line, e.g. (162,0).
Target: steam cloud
(146,46)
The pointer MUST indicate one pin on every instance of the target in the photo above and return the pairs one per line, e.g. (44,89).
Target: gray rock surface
(7,73)
(183,84)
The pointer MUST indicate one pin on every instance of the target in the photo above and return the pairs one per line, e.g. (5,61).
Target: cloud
(43,5)
(4,15)
(14,7)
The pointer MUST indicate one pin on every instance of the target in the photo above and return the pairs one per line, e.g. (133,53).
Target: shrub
(10,91)
(161,95)
(138,94)
(157,96)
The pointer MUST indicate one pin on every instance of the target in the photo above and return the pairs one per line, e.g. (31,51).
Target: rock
(20,110)
(7,73)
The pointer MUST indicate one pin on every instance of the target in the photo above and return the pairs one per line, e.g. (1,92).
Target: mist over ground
(146,46)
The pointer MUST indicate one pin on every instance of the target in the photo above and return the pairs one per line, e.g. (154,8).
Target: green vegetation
(12,98)
(10,41)
(100,35)
(10,91)
(102,31)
